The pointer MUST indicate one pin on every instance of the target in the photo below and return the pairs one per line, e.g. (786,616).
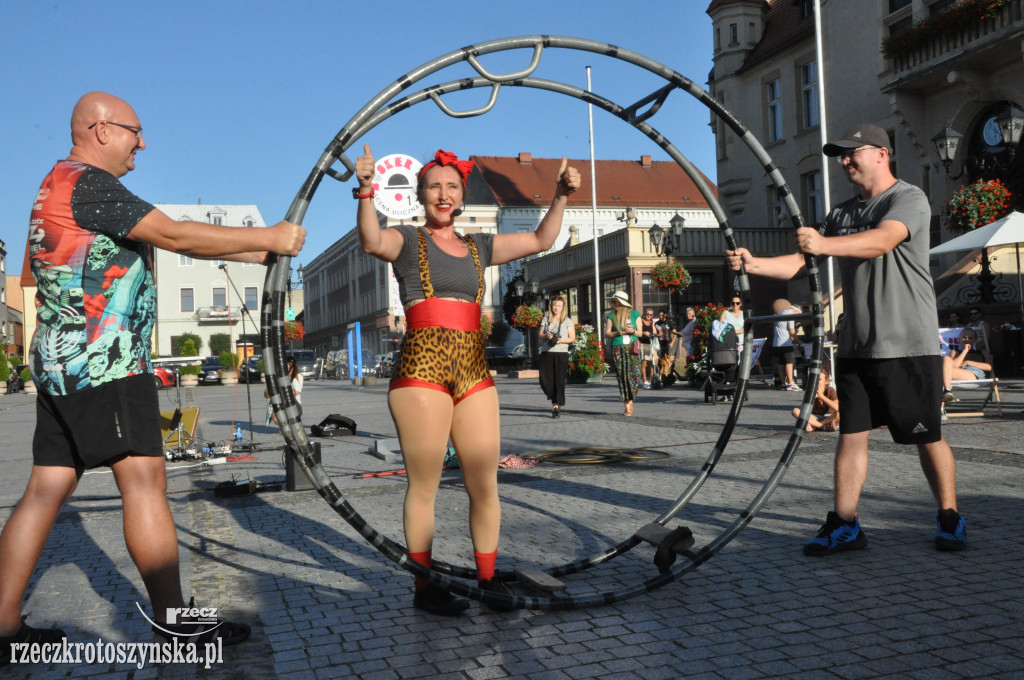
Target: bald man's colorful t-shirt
(96,300)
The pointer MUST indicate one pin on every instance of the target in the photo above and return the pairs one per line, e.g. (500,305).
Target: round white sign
(394,186)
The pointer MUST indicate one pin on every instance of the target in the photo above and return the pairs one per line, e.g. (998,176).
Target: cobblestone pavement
(325,604)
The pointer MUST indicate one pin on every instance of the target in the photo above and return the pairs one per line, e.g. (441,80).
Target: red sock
(424,559)
(485,565)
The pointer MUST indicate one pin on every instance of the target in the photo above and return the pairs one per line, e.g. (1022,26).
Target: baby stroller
(721,363)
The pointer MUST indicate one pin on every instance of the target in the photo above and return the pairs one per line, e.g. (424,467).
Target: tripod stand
(251,446)
(177,428)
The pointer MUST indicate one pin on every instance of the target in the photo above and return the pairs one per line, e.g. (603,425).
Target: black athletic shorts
(904,394)
(785,354)
(98,426)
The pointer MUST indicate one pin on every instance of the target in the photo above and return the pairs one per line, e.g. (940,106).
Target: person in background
(648,338)
(90,252)
(825,409)
(980,326)
(441,386)
(954,321)
(557,332)
(888,367)
(967,363)
(784,344)
(687,332)
(621,326)
(734,315)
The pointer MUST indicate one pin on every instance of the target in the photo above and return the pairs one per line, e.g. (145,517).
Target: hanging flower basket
(526,317)
(976,205)
(485,326)
(294,331)
(670,276)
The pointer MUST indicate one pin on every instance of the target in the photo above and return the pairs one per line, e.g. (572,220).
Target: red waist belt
(433,312)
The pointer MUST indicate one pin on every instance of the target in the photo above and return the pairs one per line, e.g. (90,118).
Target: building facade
(198,296)
(959,70)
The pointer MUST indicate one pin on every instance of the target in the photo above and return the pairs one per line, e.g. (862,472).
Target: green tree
(197,344)
(219,343)
(188,349)
(227,360)
(5,371)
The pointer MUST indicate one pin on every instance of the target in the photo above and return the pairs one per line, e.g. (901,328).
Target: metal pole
(593,220)
(826,203)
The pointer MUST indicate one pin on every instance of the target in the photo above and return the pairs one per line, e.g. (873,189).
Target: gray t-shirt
(452,277)
(889,301)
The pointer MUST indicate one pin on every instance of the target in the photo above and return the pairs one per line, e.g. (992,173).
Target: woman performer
(441,386)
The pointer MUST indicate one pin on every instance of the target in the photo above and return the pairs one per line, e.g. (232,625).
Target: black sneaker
(836,535)
(950,531)
(438,601)
(28,634)
(948,397)
(498,587)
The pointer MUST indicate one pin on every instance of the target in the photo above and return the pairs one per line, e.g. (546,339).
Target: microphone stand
(251,446)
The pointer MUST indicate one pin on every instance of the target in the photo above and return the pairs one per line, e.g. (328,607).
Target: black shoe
(836,535)
(437,601)
(498,587)
(554,412)
(28,634)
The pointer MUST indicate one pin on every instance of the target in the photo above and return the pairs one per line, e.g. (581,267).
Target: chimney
(525,158)
(645,161)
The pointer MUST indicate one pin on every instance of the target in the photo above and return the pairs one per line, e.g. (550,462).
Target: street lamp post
(666,242)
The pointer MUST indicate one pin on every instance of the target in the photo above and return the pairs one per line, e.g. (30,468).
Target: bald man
(97,405)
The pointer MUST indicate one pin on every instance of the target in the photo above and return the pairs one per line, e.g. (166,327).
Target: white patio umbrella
(1006,231)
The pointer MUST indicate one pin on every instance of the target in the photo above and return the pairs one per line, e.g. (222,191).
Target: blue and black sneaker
(951,531)
(836,535)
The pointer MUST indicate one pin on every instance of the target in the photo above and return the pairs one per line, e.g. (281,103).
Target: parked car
(336,364)
(163,377)
(501,360)
(306,361)
(250,372)
(209,374)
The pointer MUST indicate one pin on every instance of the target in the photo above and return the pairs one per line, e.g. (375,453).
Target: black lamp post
(666,242)
(997,161)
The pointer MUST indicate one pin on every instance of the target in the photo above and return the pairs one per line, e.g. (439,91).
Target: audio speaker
(334,425)
(295,479)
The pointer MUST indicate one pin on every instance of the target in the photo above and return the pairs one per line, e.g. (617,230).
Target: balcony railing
(218,313)
(635,244)
(969,38)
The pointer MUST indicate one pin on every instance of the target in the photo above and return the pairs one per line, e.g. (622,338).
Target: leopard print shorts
(445,359)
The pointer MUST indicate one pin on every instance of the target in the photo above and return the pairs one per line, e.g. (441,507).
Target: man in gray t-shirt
(888,367)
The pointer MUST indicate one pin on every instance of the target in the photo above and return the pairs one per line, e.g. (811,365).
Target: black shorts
(904,394)
(784,355)
(98,426)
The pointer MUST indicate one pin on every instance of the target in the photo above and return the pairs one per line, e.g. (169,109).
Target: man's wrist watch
(356,195)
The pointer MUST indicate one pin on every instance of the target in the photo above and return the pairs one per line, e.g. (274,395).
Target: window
(216,219)
(940,6)
(184,261)
(776,207)
(653,297)
(902,26)
(809,94)
(895,5)
(188,300)
(252,298)
(773,93)
(813,205)
(699,292)
(734,34)
(217,263)
(220,296)
(609,286)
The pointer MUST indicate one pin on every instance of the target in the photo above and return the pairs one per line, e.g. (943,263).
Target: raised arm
(508,247)
(780,267)
(385,244)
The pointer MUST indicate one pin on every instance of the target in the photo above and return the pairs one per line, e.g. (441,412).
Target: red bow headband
(448,158)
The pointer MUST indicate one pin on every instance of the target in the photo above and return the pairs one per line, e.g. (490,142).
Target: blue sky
(239,99)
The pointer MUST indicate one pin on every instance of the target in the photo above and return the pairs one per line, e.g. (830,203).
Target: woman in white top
(297,379)
(734,315)
(557,332)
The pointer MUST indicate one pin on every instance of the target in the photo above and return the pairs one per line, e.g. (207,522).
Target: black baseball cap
(857,136)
